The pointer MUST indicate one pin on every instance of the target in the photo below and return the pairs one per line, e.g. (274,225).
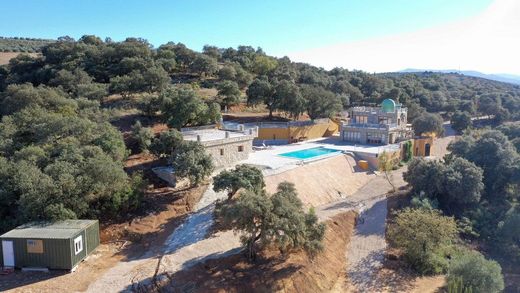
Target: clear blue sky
(279,27)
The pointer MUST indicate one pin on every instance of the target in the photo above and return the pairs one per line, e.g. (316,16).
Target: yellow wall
(300,132)
(419,146)
(273,133)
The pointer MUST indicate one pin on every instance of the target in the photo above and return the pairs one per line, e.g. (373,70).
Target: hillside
(27,45)
(509,78)
(102,88)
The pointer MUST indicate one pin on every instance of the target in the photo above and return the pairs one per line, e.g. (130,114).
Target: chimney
(227,134)
(199,138)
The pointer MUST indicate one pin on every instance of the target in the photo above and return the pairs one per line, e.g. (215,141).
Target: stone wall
(228,151)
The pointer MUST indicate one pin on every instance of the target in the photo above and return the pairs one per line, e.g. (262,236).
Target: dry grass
(6,56)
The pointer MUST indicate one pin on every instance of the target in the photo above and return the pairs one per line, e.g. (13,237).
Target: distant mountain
(509,78)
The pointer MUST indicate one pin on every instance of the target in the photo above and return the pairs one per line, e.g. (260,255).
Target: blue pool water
(309,153)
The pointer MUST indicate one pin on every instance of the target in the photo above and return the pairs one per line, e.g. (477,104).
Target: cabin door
(8,253)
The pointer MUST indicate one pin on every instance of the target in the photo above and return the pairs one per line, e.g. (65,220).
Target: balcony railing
(371,125)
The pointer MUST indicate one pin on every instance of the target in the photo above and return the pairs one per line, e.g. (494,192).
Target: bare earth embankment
(324,181)
(273,272)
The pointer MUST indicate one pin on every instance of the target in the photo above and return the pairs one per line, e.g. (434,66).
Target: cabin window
(221,152)
(240,148)
(78,245)
(34,246)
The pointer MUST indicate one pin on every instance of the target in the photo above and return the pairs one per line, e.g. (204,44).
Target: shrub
(190,160)
(477,273)
(425,237)
(142,136)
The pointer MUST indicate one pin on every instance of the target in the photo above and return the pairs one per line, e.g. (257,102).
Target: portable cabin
(53,245)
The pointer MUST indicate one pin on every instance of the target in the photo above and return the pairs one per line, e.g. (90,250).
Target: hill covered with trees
(62,158)
(27,45)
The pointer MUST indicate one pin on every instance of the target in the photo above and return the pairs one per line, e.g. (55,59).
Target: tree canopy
(273,220)
(181,107)
(428,123)
(424,236)
(476,272)
(191,161)
(243,176)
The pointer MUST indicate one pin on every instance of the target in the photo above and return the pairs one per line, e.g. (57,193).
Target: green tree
(204,65)
(243,176)
(508,236)
(462,185)
(262,65)
(212,51)
(261,91)
(320,103)
(190,160)
(424,236)
(386,163)
(165,144)
(456,185)
(456,285)
(143,136)
(476,272)
(460,121)
(92,91)
(428,123)
(243,78)
(408,151)
(59,165)
(288,98)
(273,220)
(182,107)
(20,96)
(227,72)
(229,93)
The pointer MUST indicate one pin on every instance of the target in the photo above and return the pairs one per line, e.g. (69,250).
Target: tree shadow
(368,276)
(194,229)
(19,278)
(227,271)
(372,221)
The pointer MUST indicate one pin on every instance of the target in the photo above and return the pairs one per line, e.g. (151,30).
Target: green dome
(388,105)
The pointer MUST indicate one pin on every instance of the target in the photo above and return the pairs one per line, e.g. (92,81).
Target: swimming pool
(309,153)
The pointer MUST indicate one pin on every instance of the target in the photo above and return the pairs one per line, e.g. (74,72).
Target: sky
(371,35)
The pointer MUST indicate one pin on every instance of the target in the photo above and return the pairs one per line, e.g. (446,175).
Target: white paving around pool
(270,158)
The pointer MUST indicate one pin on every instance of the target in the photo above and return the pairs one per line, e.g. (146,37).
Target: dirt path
(189,236)
(365,254)
(189,244)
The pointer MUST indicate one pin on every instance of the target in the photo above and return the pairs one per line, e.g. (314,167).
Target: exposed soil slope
(338,178)
(272,272)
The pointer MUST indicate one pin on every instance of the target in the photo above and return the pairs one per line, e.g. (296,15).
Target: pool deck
(270,158)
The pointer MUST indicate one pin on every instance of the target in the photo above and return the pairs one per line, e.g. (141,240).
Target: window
(221,152)
(375,138)
(34,246)
(353,136)
(78,244)
(240,148)
(361,119)
(383,120)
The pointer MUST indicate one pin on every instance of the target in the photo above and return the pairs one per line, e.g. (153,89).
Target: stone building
(225,146)
(386,124)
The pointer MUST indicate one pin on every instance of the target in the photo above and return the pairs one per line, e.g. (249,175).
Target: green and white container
(53,245)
